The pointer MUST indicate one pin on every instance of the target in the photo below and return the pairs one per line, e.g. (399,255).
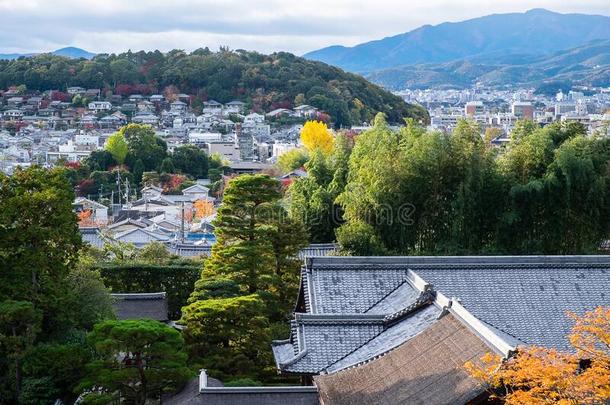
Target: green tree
(139,360)
(117,146)
(144,145)
(138,171)
(39,243)
(154,253)
(53,370)
(100,160)
(229,336)
(359,238)
(167,166)
(190,160)
(19,325)
(292,160)
(248,280)
(94,300)
(242,251)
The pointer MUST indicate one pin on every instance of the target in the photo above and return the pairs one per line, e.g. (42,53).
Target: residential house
(305,111)
(100,106)
(279,112)
(135,98)
(99,212)
(178,106)
(197,192)
(12,115)
(212,107)
(254,118)
(74,90)
(146,118)
(140,237)
(234,107)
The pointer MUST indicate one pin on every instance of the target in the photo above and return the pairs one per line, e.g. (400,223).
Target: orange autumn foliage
(203,208)
(537,375)
(84,218)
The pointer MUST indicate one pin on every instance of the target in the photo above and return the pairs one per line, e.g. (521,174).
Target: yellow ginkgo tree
(315,135)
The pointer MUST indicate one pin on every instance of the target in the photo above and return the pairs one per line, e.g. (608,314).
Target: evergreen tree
(138,360)
(167,166)
(248,283)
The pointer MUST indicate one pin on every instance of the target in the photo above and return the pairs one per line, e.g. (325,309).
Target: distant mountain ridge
(69,52)
(536,31)
(587,65)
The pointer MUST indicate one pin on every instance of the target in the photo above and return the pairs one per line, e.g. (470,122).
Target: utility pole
(182,223)
(118,182)
(127,190)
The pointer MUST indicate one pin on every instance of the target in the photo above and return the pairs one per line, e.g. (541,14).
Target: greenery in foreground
(409,191)
(263,82)
(244,297)
(547,192)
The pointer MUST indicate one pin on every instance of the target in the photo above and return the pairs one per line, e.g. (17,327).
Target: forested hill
(265,82)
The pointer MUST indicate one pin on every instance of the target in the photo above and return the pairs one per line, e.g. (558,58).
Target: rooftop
(353,309)
(141,306)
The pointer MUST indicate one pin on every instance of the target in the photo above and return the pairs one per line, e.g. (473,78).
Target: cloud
(263,25)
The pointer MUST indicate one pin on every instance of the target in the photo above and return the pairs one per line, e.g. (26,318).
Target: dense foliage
(313,198)
(263,82)
(136,361)
(49,296)
(409,191)
(176,280)
(139,156)
(248,285)
(536,375)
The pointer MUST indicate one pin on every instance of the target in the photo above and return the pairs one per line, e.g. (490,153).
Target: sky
(261,25)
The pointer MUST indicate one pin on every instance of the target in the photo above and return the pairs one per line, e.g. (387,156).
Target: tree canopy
(138,359)
(248,283)
(264,82)
(409,191)
(117,147)
(536,375)
(49,296)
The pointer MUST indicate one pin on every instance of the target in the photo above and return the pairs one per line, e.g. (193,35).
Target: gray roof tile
(527,301)
(345,289)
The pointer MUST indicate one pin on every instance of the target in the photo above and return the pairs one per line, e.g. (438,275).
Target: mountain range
(499,46)
(587,65)
(69,52)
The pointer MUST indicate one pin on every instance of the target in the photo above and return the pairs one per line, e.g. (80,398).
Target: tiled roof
(321,342)
(427,369)
(389,338)
(524,297)
(345,289)
(527,301)
(325,341)
(507,300)
(317,250)
(141,306)
(92,236)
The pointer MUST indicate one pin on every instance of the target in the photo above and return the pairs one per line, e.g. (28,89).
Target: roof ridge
(389,318)
(353,318)
(382,354)
(425,297)
(385,296)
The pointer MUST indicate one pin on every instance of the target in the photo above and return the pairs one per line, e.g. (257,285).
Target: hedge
(177,281)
